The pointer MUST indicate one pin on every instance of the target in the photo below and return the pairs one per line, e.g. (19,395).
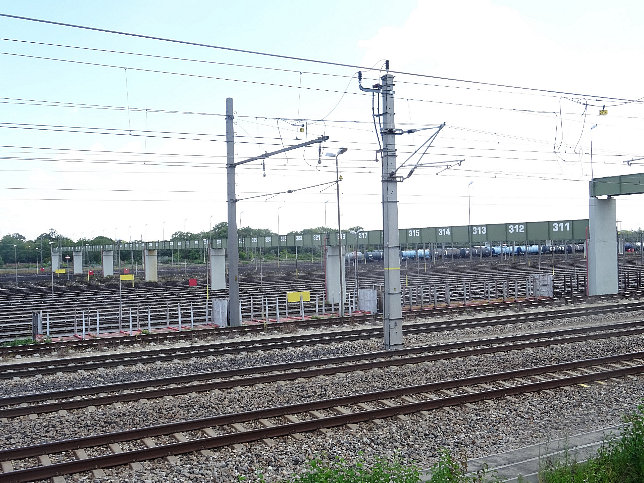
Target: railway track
(198,334)
(466,281)
(26,369)
(73,455)
(82,397)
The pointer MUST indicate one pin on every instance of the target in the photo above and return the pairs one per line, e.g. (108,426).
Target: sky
(122,136)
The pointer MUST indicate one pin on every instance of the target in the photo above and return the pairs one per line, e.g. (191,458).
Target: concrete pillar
(333,275)
(78,262)
(108,263)
(151,274)
(220,311)
(218,268)
(602,247)
(368,300)
(56,259)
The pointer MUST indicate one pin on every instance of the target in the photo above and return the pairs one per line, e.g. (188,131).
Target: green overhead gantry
(523,232)
(630,184)
(602,245)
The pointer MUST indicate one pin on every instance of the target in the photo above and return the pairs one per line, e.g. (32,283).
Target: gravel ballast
(474,429)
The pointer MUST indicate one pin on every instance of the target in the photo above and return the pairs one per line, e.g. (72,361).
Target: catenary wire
(314,61)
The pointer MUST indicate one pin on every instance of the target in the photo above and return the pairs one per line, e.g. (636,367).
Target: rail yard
(485,369)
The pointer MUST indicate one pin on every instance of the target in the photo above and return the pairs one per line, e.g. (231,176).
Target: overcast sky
(105,134)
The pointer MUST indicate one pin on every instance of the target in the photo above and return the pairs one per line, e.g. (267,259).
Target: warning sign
(295,296)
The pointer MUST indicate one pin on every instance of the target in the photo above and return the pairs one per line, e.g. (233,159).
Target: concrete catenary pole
(392,319)
(233,243)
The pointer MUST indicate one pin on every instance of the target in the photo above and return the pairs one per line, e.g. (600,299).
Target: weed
(450,470)
(618,459)
(18,342)
(339,470)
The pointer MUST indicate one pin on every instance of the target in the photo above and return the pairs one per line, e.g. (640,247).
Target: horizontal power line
(320,62)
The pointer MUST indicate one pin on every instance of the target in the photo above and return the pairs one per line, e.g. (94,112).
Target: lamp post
(37,251)
(279,241)
(15,258)
(325,212)
(337,192)
(51,250)
(469,215)
(469,203)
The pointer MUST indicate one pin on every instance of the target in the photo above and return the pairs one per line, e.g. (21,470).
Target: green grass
(339,471)
(18,342)
(26,341)
(618,460)
(448,469)
(324,470)
(381,470)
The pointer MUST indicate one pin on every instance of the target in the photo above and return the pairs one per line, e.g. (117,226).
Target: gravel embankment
(478,429)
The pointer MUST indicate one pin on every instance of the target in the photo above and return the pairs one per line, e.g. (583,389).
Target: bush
(336,471)
(617,460)
(450,470)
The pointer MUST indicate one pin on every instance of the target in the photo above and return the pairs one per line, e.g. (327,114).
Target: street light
(15,258)
(325,212)
(51,250)
(337,192)
(278,234)
(469,216)
(469,204)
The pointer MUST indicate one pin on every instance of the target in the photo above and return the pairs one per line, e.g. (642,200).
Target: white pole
(47,324)
(277,309)
(98,324)
(179,312)
(120,306)
(266,307)
(83,325)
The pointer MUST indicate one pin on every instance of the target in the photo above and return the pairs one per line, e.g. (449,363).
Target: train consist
(478,251)
(491,251)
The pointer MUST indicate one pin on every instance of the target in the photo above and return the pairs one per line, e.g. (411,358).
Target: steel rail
(299,324)
(205,350)
(42,472)
(264,374)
